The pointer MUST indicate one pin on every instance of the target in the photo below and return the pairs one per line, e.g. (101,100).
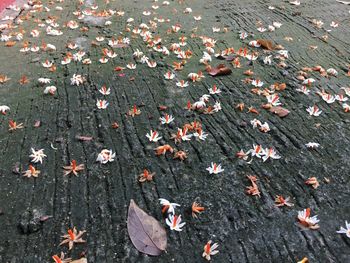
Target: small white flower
(277,24)
(214,90)
(243,35)
(214,168)
(131,66)
(308,81)
(152,64)
(346,107)
(166,119)
(314,111)
(102,104)
(200,134)
(270,153)
(334,24)
(307,221)
(341,98)
(4,109)
(257,83)
(255,123)
(267,60)
(217,106)
(261,29)
(77,80)
(257,151)
(205,59)
(312,145)
(264,127)
(167,206)
(50,90)
(169,75)
(137,54)
(332,72)
(182,84)
(345,230)
(47,64)
(104,90)
(210,250)
(188,10)
(303,89)
(283,53)
(37,156)
(103,60)
(174,222)
(105,156)
(271,28)
(273,99)
(153,136)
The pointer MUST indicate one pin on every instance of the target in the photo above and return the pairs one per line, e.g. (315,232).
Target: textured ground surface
(248,229)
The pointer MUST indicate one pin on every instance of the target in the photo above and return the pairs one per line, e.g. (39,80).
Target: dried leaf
(10,43)
(37,124)
(45,218)
(146,233)
(121,45)
(280,111)
(220,70)
(266,44)
(17,168)
(83,138)
(3,79)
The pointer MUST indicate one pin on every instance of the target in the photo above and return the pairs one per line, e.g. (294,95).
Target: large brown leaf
(145,232)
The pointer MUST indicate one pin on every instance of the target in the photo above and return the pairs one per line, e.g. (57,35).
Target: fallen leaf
(266,44)
(162,107)
(121,45)
(83,138)
(145,232)
(17,168)
(45,218)
(10,43)
(37,124)
(280,111)
(3,79)
(220,70)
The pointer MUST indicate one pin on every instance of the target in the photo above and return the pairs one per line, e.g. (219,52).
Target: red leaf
(145,232)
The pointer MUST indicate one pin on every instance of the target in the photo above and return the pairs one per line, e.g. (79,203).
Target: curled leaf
(280,111)
(145,232)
